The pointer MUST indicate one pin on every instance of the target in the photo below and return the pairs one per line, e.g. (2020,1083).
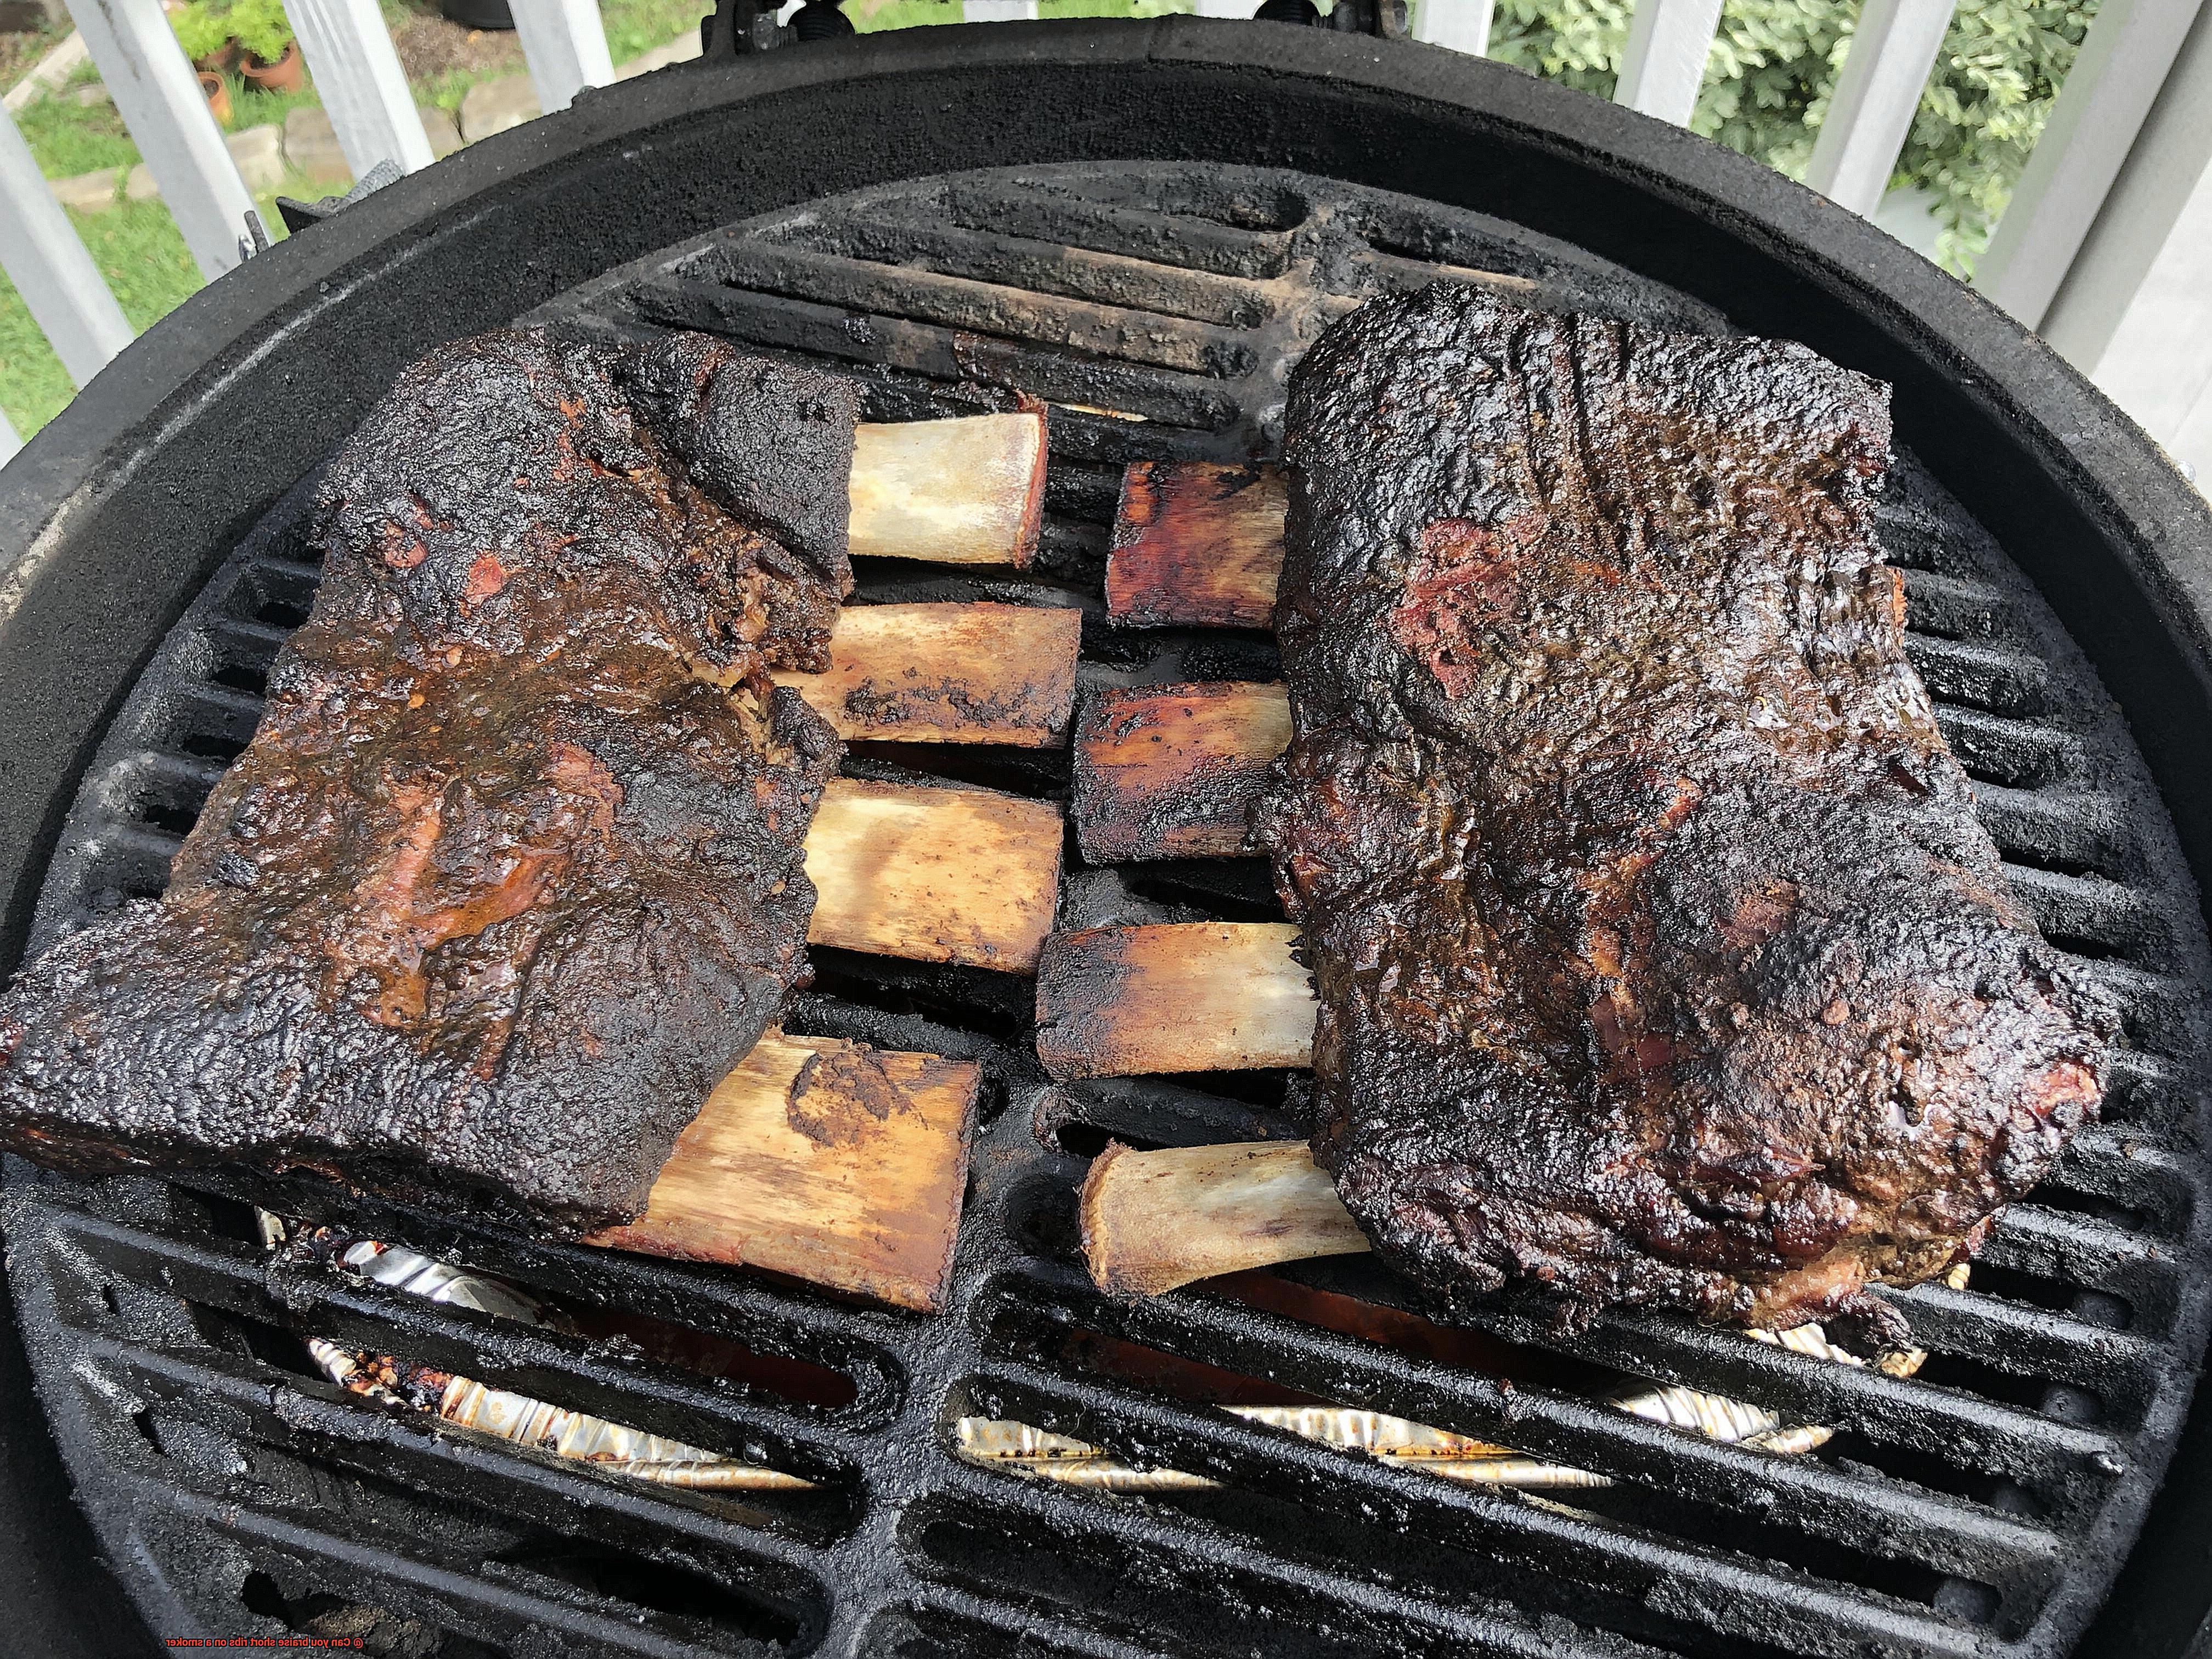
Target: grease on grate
(1038,1454)
(612,1448)
(1021,1448)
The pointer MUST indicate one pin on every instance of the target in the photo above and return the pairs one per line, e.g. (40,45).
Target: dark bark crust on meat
(512,873)
(1661,956)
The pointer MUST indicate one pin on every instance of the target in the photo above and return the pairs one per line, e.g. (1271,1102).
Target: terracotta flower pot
(224,60)
(288,73)
(217,91)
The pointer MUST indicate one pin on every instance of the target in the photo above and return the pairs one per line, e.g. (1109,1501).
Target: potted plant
(202,29)
(216,91)
(249,38)
(272,63)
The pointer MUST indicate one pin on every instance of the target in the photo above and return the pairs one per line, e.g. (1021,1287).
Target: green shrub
(1773,68)
(204,26)
(261,28)
(203,29)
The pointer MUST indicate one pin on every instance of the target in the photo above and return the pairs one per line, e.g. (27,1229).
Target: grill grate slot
(2015,753)
(1947,607)
(1974,675)
(1656,1466)
(1049,268)
(1091,330)
(1978,1437)
(1259,247)
(483,1602)
(2066,834)
(729,1419)
(1956,1511)
(1192,1582)
(1508,1532)
(940,354)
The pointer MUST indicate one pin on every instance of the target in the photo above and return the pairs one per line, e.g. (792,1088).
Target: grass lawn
(635,27)
(136,245)
(138,250)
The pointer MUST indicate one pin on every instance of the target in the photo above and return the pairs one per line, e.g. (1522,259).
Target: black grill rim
(2114,537)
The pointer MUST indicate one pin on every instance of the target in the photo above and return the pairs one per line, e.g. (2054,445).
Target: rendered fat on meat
(1661,956)
(512,872)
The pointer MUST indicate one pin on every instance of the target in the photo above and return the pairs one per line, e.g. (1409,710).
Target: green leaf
(1773,70)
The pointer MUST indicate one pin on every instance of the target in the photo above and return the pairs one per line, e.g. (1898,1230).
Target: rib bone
(1168,771)
(829,1161)
(963,491)
(1196,545)
(937,875)
(948,673)
(1153,1221)
(1206,996)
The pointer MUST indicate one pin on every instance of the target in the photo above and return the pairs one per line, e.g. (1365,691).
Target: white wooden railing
(2107,248)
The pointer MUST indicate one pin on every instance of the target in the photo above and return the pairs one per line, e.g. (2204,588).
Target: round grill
(1984,1507)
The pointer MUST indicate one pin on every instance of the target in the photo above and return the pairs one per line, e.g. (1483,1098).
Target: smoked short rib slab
(1660,959)
(512,873)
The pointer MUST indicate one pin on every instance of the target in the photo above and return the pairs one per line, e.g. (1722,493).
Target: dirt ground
(429,45)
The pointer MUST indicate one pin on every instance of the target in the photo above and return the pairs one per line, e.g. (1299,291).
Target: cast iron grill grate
(1980,1508)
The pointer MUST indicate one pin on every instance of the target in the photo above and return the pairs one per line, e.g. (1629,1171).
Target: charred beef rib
(511,875)
(1661,957)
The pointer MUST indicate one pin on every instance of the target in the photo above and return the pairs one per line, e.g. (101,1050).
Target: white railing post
(1223,8)
(1668,42)
(10,443)
(1871,115)
(46,259)
(2100,109)
(1462,25)
(356,68)
(566,47)
(2135,313)
(1011,11)
(158,97)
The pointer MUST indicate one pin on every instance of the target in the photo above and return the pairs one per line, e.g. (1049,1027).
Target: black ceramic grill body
(1223,185)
